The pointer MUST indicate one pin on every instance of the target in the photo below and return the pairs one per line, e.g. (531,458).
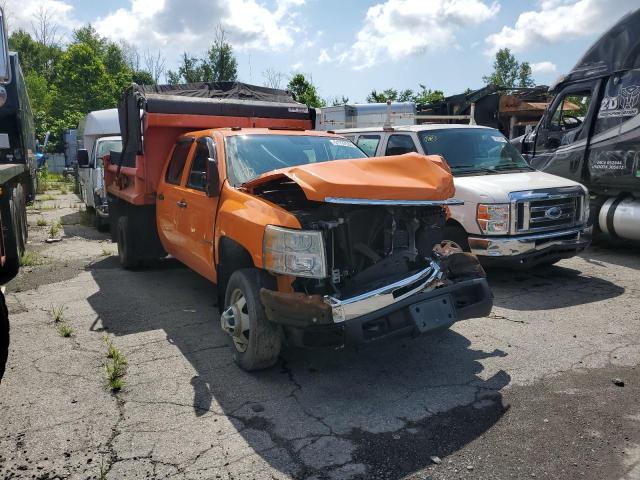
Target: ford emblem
(553,213)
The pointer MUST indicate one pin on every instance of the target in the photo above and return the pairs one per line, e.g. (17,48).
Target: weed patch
(58,313)
(65,330)
(31,259)
(41,222)
(54,230)
(115,367)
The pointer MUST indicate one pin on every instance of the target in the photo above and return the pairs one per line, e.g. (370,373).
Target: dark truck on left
(18,179)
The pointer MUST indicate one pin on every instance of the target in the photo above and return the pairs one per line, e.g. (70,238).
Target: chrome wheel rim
(238,303)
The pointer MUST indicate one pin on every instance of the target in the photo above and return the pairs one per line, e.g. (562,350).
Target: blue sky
(350,47)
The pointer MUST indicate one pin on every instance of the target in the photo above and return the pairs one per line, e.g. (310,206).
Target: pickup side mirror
(83,158)
(213,178)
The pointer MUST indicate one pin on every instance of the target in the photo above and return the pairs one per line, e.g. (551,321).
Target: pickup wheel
(126,251)
(4,335)
(256,342)
(13,238)
(458,235)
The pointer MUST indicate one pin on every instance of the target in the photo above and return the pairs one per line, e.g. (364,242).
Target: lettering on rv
(623,105)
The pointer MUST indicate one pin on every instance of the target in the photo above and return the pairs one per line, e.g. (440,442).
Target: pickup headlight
(294,252)
(493,219)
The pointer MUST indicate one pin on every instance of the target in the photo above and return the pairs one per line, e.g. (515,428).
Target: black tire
(101,224)
(12,237)
(21,217)
(458,235)
(4,335)
(126,247)
(264,337)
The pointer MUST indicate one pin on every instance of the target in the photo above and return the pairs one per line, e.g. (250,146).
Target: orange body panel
(404,177)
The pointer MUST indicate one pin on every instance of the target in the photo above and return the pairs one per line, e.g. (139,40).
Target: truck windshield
(106,146)
(472,150)
(249,156)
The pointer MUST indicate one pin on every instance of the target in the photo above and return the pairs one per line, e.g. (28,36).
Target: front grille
(541,212)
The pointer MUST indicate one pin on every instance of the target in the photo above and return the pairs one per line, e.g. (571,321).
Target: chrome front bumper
(350,308)
(577,238)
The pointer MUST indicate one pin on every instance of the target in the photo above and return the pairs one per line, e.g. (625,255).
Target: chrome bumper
(513,246)
(350,308)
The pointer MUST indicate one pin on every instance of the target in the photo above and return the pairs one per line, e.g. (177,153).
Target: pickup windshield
(473,150)
(106,146)
(249,156)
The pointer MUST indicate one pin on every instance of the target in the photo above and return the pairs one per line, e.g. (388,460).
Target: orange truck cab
(310,242)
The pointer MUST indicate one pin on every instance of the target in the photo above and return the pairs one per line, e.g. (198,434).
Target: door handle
(182,204)
(160,196)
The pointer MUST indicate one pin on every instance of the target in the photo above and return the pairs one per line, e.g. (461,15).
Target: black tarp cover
(618,49)
(203,98)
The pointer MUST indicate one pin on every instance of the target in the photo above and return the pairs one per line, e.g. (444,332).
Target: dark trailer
(591,131)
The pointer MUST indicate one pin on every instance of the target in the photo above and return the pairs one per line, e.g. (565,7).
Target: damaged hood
(409,177)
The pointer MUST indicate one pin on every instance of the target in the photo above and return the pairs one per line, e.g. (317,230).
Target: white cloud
(558,21)
(399,28)
(324,57)
(187,25)
(543,67)
(22,14)
(296,67)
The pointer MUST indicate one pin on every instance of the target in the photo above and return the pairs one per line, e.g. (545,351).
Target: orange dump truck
(310,242)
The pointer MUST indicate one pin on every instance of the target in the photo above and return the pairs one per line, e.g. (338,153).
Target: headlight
(294,252)
(493,219)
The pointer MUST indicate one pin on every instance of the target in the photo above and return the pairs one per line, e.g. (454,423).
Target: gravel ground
(524,393)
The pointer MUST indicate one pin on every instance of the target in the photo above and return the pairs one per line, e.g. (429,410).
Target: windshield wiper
(509,166)
(472,168)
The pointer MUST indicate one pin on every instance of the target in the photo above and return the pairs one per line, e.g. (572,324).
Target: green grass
(106,253)
(63,190)
(65,330)
(31,259)
(41,222)
(115,367)
(44,198)
(54,230)
(58,313)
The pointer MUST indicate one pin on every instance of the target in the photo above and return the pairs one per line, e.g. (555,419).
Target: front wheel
(256,342)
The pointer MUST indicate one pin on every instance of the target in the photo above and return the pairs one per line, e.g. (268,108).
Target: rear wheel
(126,249)
(14,240)
(256,342)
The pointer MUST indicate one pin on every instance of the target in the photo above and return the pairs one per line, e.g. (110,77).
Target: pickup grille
(544,212)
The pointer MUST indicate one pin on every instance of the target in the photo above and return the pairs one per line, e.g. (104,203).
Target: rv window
(570,112)
(400,144)
(178,159)
(369,144)
(621,100)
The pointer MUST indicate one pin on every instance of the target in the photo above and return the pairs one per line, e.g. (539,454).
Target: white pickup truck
(513,215)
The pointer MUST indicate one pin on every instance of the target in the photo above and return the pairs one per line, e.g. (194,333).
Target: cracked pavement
(524,393)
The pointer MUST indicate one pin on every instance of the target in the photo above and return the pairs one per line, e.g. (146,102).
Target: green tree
(304,91)
(189,71)
(508,72)
(425,96)
(382,97)
(220,64)
(34,56)
(142,77)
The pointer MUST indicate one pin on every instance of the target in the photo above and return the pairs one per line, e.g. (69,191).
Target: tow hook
(228,321)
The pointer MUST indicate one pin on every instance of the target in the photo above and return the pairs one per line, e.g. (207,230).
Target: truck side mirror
(5,64)
(213,178)
(83,158)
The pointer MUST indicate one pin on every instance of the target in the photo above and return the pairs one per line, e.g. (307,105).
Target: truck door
(399,144)
(368,143)
(170,198)
(561,136)
(197,214)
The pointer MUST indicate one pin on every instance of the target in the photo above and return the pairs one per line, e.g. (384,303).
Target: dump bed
(153,117)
